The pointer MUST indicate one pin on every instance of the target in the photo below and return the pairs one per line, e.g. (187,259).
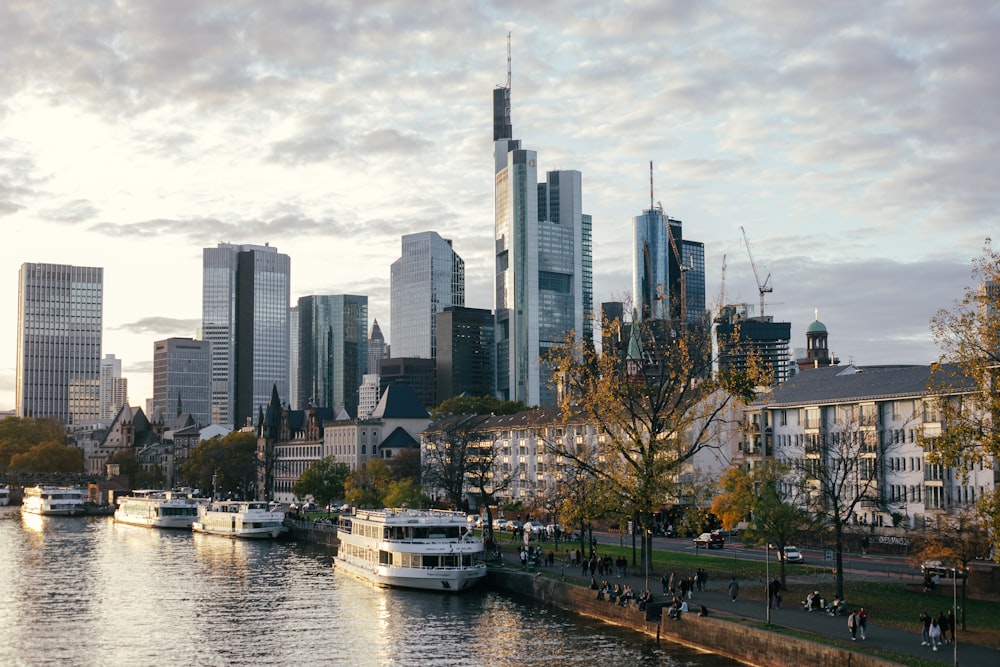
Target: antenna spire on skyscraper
(508,60)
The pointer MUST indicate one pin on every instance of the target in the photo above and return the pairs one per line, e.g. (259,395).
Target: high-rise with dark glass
(657,269)
(60,313)
(245,311)
(544,274)
(465,363)
(333,350)
(428,277)
(181,380)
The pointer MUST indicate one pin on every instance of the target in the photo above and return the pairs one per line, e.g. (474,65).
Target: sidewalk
(791,615)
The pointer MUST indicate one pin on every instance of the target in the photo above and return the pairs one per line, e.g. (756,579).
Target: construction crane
(762,287)
(680,265)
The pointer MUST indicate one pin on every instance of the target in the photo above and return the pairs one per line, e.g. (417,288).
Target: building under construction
(740,337)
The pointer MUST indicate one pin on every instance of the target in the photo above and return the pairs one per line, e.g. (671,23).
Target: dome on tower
(816,327)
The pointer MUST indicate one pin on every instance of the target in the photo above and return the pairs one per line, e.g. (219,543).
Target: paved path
(819,623)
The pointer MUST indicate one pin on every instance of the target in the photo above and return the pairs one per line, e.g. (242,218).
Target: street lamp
(954,620)
(767,581)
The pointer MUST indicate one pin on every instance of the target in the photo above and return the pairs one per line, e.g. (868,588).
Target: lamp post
(767,581)
(954,620)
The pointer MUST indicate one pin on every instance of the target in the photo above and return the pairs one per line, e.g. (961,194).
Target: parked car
(534,527)
(791,555)
(940,568)
(474,520)
(709,540)
(499,524)
(552,528)
(513,526)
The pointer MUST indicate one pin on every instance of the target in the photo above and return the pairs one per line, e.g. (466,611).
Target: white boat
(4,496)
(53,501)
(426,549)
(239,518)
(159,509)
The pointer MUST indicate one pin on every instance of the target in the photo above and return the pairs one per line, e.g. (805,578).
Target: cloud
(160,327)
(79,210)
(204,231)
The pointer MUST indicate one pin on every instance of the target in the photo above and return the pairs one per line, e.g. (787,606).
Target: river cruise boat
(4,496)
(53,501)
(249,519)
(425,549)
(159,509)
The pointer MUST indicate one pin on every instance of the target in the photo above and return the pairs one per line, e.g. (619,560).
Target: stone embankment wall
(716,633)
(317,533)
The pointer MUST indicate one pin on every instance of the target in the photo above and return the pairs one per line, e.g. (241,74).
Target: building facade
(465,362)
(245,312)
(544,272)
(60,322)
(333,350)
(664,264)
(741,338)
(428,277)
(114,388)
(377,349)
(182,380)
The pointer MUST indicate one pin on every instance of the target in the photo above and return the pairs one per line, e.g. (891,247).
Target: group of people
(937,630)
(602,566)
(684,587)
(814,602)
(535,555)
(619,594)
(857,623)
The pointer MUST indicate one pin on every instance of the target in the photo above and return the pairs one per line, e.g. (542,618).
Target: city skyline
(855,144)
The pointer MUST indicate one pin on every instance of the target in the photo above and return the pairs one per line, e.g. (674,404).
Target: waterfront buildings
(245,311)
(182,380)
(333,350)
(394,425)
(465,356)
(114,388)
(59,327)
(428,277)
(544,272)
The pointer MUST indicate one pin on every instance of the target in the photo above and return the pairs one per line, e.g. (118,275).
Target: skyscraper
(544,273)
(245,311)
(376,349)
(60,317)
(114,388)
(181,379)
(662,266)
(465,362)
(333,350)
(427,278)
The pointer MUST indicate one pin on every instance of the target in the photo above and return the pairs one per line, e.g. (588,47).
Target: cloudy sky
(856,143)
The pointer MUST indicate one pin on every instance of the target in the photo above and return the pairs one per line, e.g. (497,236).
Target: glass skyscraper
(181,379)
(333,350)
(60,318)
(245,311)
(427,278)
(544,272)
(656,271)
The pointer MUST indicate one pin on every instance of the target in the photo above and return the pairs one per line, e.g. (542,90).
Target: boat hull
(246,534)
(447,580)
(166,523)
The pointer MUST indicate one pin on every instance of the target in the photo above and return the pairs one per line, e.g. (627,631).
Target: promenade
(792,615)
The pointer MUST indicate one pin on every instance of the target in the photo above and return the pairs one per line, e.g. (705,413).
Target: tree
(366,485)
(127,464)
(50,457)
(966,381)
(230,461)
(405,464)
(324,480)
(478,405)
(403,492)
(655,410)
(448,445)
(775,516)
(20,434)
(957,539)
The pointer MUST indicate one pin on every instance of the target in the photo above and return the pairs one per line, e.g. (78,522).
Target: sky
(855,143)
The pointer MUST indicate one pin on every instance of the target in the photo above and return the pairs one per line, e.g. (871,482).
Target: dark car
(709,540)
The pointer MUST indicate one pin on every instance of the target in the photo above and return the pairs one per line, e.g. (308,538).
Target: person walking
(665,583)
(734,589)
(852,625)
(862,622)
(934,632)
(774,593)
(925,636)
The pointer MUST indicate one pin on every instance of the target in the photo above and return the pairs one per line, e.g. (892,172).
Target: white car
(791,555)
(534,527)
(499,524)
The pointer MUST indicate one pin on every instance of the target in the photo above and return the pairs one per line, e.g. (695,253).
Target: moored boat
(53,500)
(159,509)
(249,519)
(424,549)
(4,496)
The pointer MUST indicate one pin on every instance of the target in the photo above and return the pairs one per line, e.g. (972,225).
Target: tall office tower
(658,273)
(245,311)
(465,362)
(182,380)
(60,312)
(333,350)
(377,350)
(544,281)
(114,388)
(738,336)
(368,395)
(427,278)
(293,355)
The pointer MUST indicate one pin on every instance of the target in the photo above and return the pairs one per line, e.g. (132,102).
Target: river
(88,591)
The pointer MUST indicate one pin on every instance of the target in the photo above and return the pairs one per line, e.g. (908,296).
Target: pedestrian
(665,582)
(952,628)
(672,585)
(685,588)
(734,589)
(925,621)
(934,632)
(774,593)
(852,625)
(862,622)
(700,578)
